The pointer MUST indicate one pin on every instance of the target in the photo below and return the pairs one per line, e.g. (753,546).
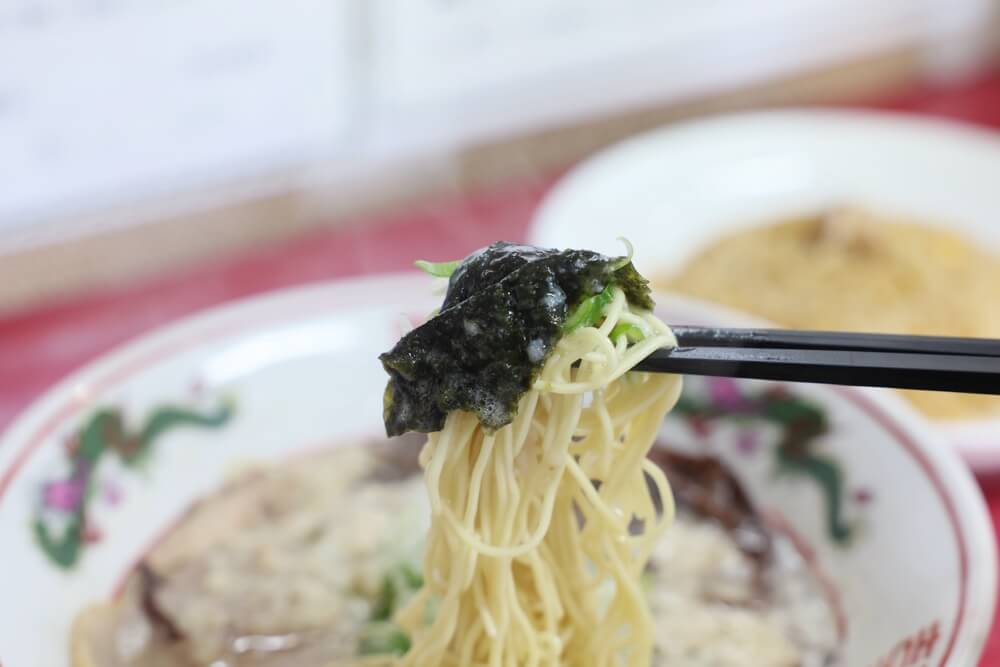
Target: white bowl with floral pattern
(100,466)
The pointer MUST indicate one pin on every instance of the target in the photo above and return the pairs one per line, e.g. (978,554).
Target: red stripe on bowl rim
(781,526)
(875,412)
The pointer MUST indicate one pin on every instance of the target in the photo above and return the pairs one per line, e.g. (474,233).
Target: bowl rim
(952,479)
(973,138)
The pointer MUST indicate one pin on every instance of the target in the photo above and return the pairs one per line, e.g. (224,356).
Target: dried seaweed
(505,309)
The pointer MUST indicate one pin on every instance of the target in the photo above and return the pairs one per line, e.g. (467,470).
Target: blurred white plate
(673,190)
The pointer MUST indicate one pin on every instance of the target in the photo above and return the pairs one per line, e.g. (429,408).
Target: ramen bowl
(677,190)
(890,522)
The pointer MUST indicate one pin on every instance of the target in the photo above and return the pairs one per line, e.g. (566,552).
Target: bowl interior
(852,476)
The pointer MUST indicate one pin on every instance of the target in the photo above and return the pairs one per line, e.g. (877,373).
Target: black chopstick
(692,336)
(872,360)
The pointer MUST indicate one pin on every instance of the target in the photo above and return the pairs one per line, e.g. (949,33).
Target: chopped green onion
(590,311)
(381,636)
(386,602)
(383,639)
(632,333)
(438,269)
(398,586)
(627,259)
(412,576)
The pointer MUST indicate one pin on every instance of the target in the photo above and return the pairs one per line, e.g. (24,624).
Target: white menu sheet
(466,70)
(104,101)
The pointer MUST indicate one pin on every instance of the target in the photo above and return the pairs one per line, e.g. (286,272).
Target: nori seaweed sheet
(503,314)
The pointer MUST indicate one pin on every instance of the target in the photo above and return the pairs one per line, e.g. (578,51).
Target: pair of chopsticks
(937,363)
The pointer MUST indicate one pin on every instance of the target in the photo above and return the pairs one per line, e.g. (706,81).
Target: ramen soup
(303,564)
(853,271)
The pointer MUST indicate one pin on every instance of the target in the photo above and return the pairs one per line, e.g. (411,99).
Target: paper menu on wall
(491,68)
(103,101)
(428,49)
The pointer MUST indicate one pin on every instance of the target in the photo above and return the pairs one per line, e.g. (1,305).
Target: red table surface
(40,345)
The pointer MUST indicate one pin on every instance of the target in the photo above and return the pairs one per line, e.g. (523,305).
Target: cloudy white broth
(296,574)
